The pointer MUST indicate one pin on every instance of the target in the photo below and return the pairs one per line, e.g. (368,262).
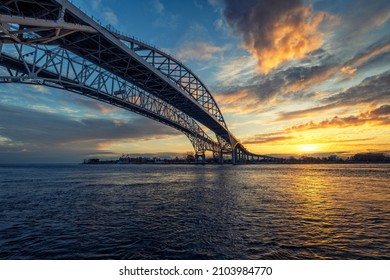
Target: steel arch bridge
(53,43)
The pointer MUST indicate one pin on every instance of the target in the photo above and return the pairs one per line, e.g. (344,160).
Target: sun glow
(308,147)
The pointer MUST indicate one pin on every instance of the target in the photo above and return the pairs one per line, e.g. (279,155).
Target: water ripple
(195,212)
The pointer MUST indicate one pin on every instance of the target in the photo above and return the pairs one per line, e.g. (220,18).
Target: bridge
(53,43)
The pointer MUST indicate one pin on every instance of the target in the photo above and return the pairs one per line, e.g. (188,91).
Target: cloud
(297,84)
(311,77)
(110,17)
(40,89)
(252,98)
(281,138)
(105,12)
(214,2)
(275,31)
(40,127)
(169,21)
(5,141)
(370,91)
(237,77)
(100,107)
(362,58)
(263,91)
(236,71)
(158,7)
(304,113)
(164,19)
(239,102)
(364,16)
(219,24)
(199,51)
(381,111)
(30,130)
(378,116)
(266,138)
(43,108)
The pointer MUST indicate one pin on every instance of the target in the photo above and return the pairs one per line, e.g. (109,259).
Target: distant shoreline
(332,159)
(216,163)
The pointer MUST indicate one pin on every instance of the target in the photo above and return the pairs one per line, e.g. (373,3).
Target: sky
(290,77)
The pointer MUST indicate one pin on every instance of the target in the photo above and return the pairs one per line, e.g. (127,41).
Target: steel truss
(57,45)
(59,68)
(175,71)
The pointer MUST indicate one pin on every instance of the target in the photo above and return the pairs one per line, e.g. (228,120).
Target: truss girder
(242,155)
(175,71)
(157,74)
(110,67)
(57,67)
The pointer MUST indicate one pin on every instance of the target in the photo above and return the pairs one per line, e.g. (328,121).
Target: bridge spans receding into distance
(53,43)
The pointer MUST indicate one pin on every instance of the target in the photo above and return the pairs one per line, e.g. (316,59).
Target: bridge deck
(98,45)
(105,50)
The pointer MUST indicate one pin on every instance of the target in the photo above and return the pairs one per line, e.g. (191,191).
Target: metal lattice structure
(53,43)
(58,68)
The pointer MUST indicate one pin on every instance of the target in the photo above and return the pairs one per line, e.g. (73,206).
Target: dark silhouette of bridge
(53,43)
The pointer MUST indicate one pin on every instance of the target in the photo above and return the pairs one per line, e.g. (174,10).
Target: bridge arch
(58,68)
(58,45)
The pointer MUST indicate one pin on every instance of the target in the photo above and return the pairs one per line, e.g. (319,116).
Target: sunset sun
(308,147)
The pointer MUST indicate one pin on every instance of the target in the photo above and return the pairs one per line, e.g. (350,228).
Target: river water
(264,211)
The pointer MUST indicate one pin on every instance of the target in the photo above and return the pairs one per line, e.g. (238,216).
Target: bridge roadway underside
(117,61)
(104,49)
(68,84)
(96,44)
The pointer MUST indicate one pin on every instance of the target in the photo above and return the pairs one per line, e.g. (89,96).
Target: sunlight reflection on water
(195,212)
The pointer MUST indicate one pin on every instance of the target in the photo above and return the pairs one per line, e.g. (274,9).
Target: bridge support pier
(234,156)
(200,158)
(220,157)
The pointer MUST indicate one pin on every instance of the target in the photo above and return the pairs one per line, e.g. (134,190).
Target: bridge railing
(56,67)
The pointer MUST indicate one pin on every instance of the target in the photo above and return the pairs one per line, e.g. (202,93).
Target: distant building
(370,157)
(91,161)
(333,158)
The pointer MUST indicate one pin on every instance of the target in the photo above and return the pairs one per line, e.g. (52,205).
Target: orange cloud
(348,68)
(351,66)
(105,109)
(238,102)
(199,51)
(263,139)
(379,116)
(275,31)
(290,39)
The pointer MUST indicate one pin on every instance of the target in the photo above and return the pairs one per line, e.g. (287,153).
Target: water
(195,212)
